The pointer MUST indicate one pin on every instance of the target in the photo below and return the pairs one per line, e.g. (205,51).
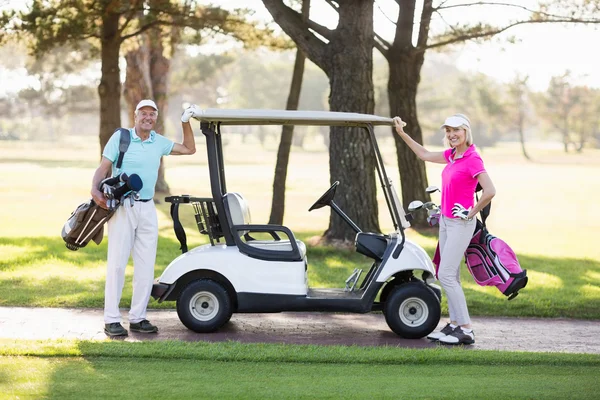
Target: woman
(464,169)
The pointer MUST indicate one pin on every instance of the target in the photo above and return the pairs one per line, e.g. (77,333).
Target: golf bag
(87,221)
(490,260)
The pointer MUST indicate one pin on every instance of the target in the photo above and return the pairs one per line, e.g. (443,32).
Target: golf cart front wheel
(412,310)
(204,306)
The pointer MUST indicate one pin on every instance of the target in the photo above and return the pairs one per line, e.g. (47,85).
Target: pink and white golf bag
(492,262)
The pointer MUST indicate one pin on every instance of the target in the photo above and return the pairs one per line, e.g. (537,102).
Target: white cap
(456,120)
(146,103)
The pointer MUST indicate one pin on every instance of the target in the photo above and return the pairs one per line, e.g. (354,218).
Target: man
(133,229)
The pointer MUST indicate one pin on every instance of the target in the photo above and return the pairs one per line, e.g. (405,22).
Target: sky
(542,50)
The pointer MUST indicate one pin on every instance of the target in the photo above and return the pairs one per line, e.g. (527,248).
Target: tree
(287,134)
(559,104)
(585,115)
(405,59)
(482,96)
(147,74)
(520,106)
(338,52)
(109,23)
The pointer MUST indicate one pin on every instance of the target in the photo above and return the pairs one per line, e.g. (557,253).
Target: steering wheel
(326,198)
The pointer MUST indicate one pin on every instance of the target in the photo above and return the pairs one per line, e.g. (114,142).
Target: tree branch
(425,23)
(382,45)
(537,13)
(494,31)
(479,35)
(292,24)
(130,15)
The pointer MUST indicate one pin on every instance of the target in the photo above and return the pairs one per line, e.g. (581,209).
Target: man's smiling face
(145,119)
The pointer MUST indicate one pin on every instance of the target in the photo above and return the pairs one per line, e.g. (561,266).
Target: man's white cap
(456,120)
(146,103)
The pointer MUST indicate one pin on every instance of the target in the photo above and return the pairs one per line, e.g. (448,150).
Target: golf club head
(433,220)
(429,205)
(415,205)
(432,189)
(433,211)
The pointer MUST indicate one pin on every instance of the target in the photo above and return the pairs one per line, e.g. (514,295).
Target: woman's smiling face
(455,136)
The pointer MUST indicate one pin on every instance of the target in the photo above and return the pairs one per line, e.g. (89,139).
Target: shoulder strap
(485,212)
(178,228)
(123,145)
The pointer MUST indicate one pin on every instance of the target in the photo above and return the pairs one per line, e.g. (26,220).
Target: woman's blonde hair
(468,134)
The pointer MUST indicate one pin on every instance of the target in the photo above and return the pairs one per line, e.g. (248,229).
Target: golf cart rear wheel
(412,310)
(204,306)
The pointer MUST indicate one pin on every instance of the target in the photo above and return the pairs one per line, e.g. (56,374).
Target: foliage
(572,110)
(54,22)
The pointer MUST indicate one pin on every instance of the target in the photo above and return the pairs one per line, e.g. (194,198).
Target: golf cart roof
(287,117)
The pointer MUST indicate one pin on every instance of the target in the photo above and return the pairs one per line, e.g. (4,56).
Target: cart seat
(239,213)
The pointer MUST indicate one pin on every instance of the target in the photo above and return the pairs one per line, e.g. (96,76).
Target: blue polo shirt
(142,158)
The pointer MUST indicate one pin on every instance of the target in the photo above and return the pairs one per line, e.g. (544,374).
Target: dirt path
(515,334)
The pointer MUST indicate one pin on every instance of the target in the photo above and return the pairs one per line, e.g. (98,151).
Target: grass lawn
(71,369)
(43,182)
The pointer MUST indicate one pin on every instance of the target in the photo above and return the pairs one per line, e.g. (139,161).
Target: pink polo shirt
(459,179)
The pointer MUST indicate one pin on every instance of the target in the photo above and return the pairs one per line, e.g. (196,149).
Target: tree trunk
(347,59)
(351,160)
(137,85)
(404,76)
(146,78)
(287,133)
(522,134)
(405,61)
(109,89)
(159,74)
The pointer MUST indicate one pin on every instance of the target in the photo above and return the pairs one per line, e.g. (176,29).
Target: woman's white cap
(146,103)
(455,121)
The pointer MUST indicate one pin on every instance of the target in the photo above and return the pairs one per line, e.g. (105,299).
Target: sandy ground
(512,334)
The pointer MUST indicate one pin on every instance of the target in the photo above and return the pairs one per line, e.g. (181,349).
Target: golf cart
(237,273)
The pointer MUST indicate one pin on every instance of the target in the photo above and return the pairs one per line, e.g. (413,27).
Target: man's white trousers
(131,231)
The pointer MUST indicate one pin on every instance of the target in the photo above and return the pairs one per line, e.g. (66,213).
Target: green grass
(74,369)
(43,182)
(41,272)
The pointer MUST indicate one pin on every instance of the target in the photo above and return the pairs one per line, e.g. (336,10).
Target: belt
(143,200)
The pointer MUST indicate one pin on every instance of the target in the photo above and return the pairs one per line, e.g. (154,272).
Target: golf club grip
(134,182)
(115,179)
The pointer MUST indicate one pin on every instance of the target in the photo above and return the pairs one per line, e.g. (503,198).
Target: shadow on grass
(41,271)
(51,163)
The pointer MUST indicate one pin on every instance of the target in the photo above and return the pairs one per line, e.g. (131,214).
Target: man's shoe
(115,329)
(441,333)
(144,326)
(458,336)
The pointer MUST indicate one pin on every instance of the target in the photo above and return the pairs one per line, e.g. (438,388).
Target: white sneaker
(441,333)
(458,336)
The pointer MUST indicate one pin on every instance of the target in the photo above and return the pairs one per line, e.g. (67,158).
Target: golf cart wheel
(412,310)
(204,306)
